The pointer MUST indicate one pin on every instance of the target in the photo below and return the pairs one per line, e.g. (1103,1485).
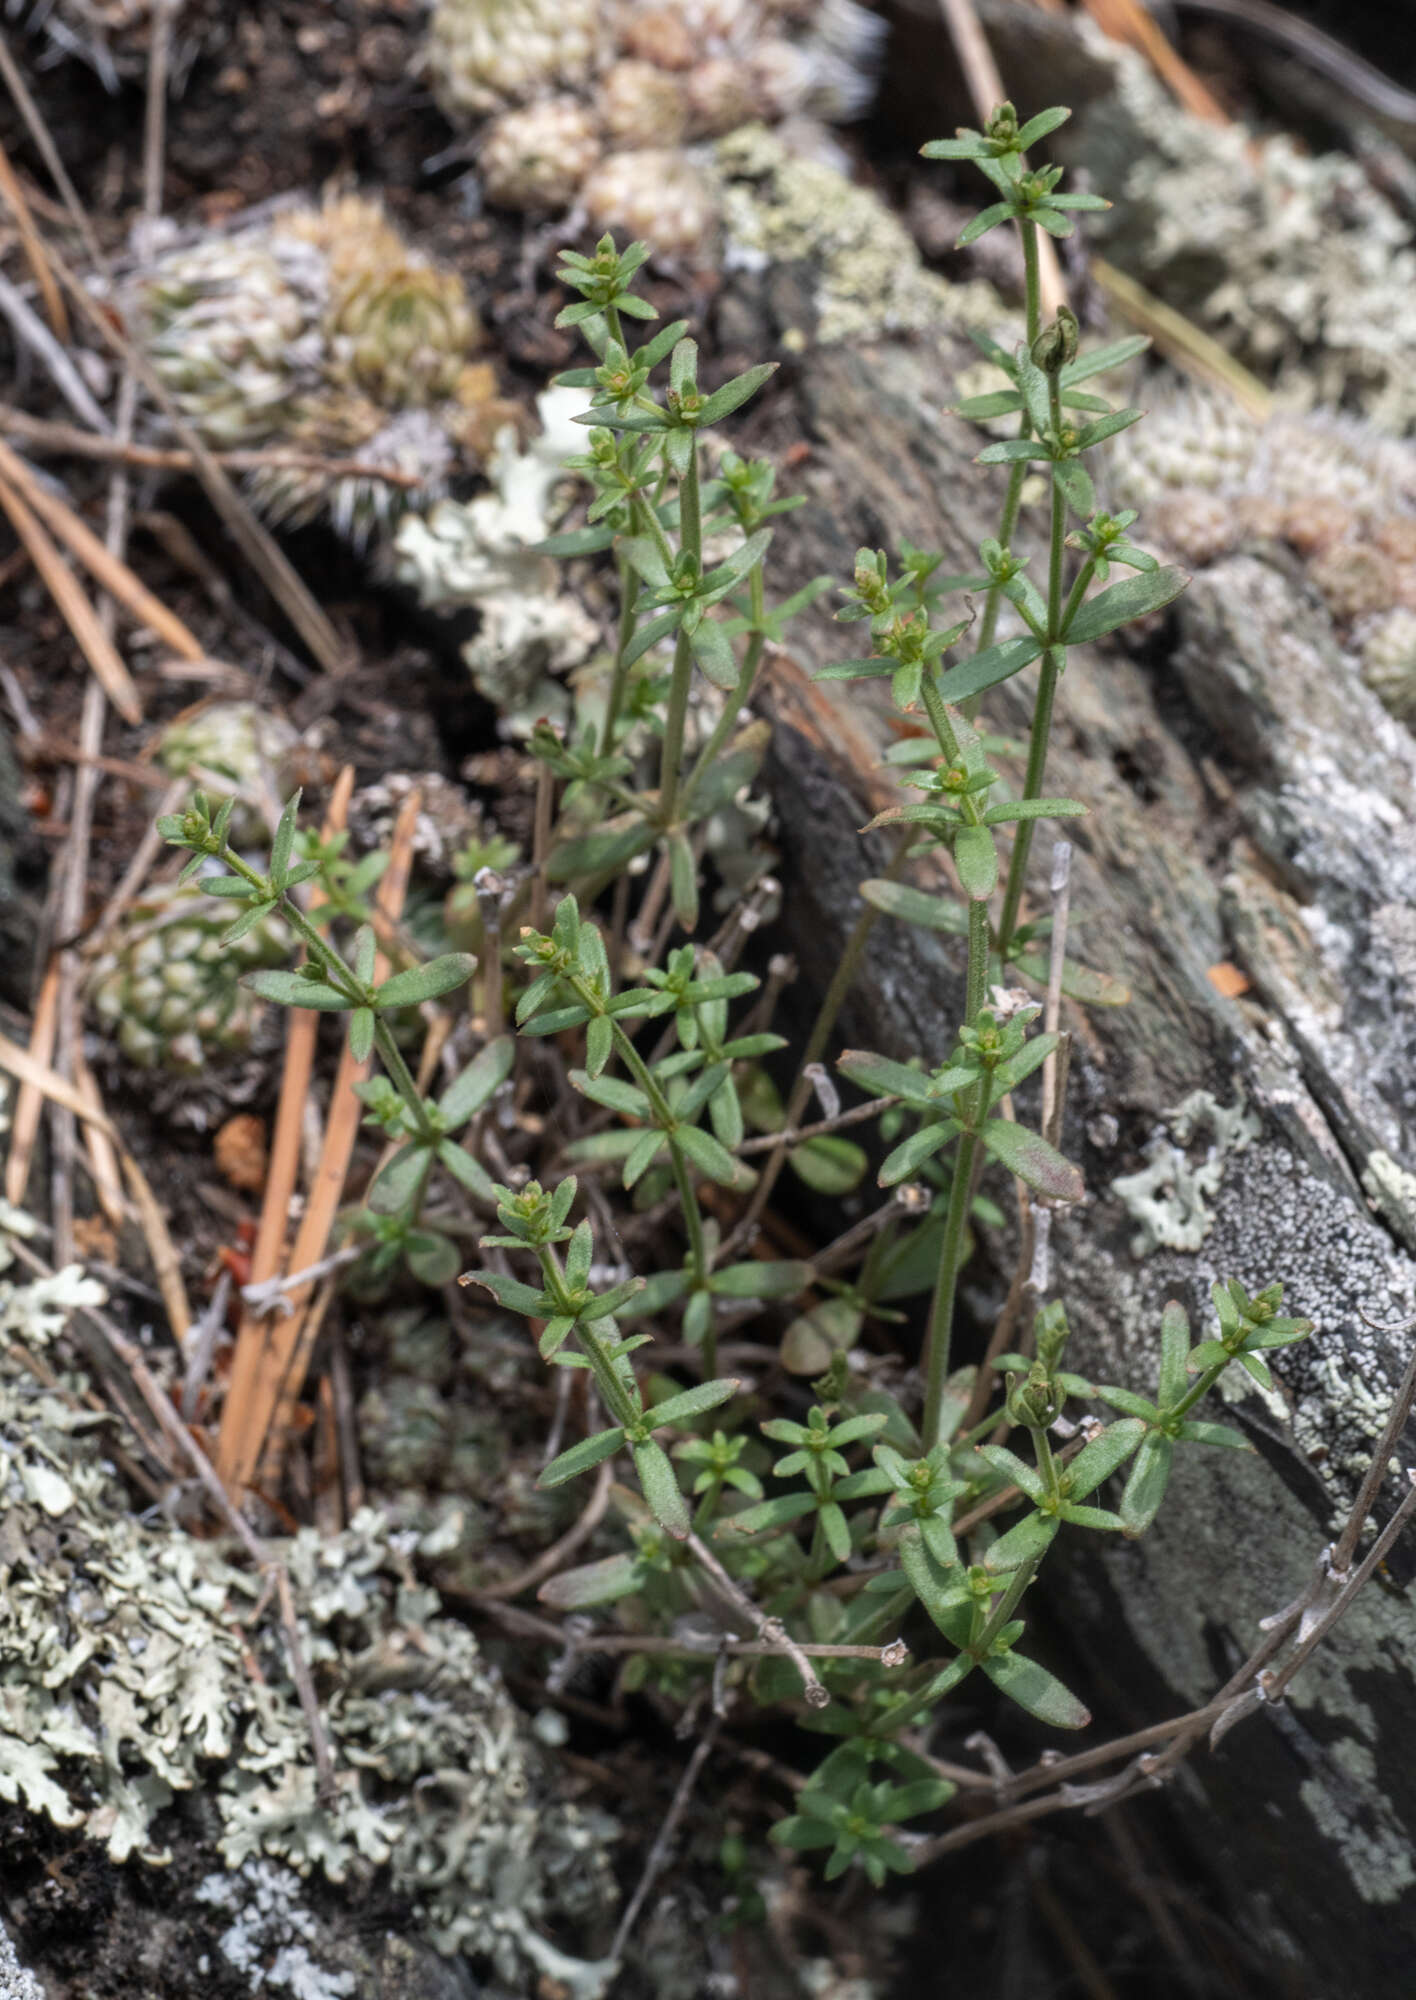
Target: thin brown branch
(41,434)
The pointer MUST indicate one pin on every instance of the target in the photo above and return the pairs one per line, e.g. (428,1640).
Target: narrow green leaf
(910,1155)
(1034,809)
(1036,1690)
(988,669)
(734,394)
(829,1164)
(581,1457)
(603,1582)
(683,880)
(690,1403)
(466,1171)
(1134,597)
(886,1078)
(659,1483)
(426,982)
(478,1083)
(1145,1486)
(1028,1155)
(361,1034)
(1025,1541)
(703,1150)
(291,989)
(1099,1459)
(1079,982)
(400,1179)
(914,906)
(599,853)
(976,859)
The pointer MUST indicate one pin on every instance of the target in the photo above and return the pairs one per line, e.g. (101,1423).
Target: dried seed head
(659,195)
(538,157)
(1389,661)
(483,55)
(723,93)
(642,106)
(1355,580)
(1199,527)
(1318,523)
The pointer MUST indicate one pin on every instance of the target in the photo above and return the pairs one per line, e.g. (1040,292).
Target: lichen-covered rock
(482,553)
(126,1680)
(241,742)
(319,330)
(646,79)
(1389,661)
(15,1982)
(1249,805)
(866,274)
(168,990)
(1294,260)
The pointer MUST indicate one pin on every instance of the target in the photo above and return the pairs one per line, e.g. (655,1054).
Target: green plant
(825,1527)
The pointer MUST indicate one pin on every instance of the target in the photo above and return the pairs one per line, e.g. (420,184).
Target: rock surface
(1250,808)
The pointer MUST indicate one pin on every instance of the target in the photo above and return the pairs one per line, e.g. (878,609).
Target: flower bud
(1056,345)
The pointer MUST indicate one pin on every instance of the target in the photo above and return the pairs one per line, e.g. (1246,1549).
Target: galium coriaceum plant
(422,1130)
(826,1524)
(661,506)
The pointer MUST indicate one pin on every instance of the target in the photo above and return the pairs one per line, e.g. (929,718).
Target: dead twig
(561,1550)
(78,614)
(659,1853)
(41,434)
(34,337)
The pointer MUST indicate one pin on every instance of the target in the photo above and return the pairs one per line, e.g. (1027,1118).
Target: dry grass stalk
(102,1154)
(26,1070)
(29,1103)
(302,1029)
(986,92)
(281,1345)
(42,434)
(1181,342)
(106,569)
(78,614)
(166,1263)
(260,548)
(53,298)
(1128,21)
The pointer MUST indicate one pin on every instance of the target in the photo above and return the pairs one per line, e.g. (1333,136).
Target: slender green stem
(340,974)
(736,701)
(841,982)
(613,1393)
(1013,500)
(1005,1607)
(629,607)
(1046,1464)
(976,991)
(1032,279)
(676,715)
(941,1316)
(1032,789)
(1041,723)
(1198,1390)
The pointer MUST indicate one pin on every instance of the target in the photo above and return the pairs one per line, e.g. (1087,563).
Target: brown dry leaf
(1228,979)
(240,1152)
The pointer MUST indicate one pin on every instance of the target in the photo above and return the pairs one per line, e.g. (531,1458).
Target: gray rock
(15,1982)
(1251,803)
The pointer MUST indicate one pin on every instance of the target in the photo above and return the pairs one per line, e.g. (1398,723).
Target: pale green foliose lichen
(1169,1197)
(126,1649)
(870,280)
